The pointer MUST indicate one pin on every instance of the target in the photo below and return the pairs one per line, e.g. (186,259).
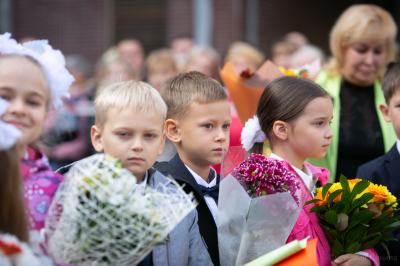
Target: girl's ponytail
(257,148)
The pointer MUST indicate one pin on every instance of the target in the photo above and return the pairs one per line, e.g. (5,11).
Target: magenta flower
(261,176)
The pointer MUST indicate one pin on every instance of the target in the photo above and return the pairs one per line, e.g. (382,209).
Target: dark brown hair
(284,99)
(391,80)
(180,91)
(12,209)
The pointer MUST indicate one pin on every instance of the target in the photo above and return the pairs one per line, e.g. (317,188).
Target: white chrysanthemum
(252,133)
(9,134)
(52,61)
(95,219)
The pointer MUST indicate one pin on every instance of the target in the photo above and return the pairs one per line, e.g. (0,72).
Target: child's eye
(361,51)
(378,52)
(33,103)
(320,123)
(5,97)
(122,134)
(149,136)
(227,126)
(208,126)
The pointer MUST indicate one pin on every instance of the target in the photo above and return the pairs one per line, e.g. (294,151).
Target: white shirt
(398,145)
(212,205)
(142,186)
(304,174)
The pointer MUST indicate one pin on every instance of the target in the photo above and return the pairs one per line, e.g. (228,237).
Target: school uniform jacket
(385,170)
(208,229)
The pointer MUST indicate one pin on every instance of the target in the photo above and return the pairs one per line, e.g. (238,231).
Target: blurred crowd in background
(66,136)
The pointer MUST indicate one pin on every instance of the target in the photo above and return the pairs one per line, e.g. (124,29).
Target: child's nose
(17,107)
(137,144)
(221,136)
(329,134)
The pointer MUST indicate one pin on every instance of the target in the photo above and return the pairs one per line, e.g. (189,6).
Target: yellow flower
(290,72)
(392,199)
(353,182)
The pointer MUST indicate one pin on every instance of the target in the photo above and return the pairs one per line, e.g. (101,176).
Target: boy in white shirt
(198,121)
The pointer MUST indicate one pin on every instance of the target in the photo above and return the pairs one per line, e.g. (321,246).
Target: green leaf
(334,194)
(354,236)
(387,250)
(389,239)
(355,247)
(369,237)
(312,201)
(344,183)
(318,209)
(328,235)
(347,201)
(343,221)
(361,201)
(391,227)
(383,224)
(338,207)
(331,217)
(359,188)
(388,206)
(337,249)
(325,189)
(372,243)
(361,217)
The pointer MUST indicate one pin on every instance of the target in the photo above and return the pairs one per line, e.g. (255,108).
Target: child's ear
(160,150)
(280,130)
(95,135)
(172,130)
(385,112)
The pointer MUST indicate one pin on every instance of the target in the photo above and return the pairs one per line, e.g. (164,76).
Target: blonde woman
(362,42)
(244,56)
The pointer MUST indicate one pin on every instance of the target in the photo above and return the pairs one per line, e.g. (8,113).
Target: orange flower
(304,75)
(381,192)
(388,210)
(319,196)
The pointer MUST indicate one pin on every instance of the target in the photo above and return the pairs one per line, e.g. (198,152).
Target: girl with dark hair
(294,114)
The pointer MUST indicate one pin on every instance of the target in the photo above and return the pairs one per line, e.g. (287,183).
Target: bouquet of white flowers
(97,219)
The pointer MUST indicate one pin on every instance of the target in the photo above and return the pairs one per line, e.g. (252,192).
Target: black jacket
(207,226)
(385,170)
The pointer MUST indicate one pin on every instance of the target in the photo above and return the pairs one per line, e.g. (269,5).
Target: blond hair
(161,57)
(128,94)
(208,52)
(246,50)
(180,91)
(361,23)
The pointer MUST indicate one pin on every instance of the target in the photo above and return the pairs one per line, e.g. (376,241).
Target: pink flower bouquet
(259,203)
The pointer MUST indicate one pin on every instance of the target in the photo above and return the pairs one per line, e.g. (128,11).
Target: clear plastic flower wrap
(96,218)
(254,216)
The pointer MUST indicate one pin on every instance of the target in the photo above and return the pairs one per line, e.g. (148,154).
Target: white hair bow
(252,133)
(9,134)
(52,61)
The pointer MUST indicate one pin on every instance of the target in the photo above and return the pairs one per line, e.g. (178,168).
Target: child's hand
(352,259)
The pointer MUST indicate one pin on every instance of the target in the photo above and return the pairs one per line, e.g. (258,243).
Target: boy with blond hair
(198,121)
(385,170)
(160,66)
(129,125)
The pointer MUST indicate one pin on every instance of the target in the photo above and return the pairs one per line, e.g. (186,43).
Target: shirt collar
(304,174)
(398,145)
(142,186)
(201,181)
